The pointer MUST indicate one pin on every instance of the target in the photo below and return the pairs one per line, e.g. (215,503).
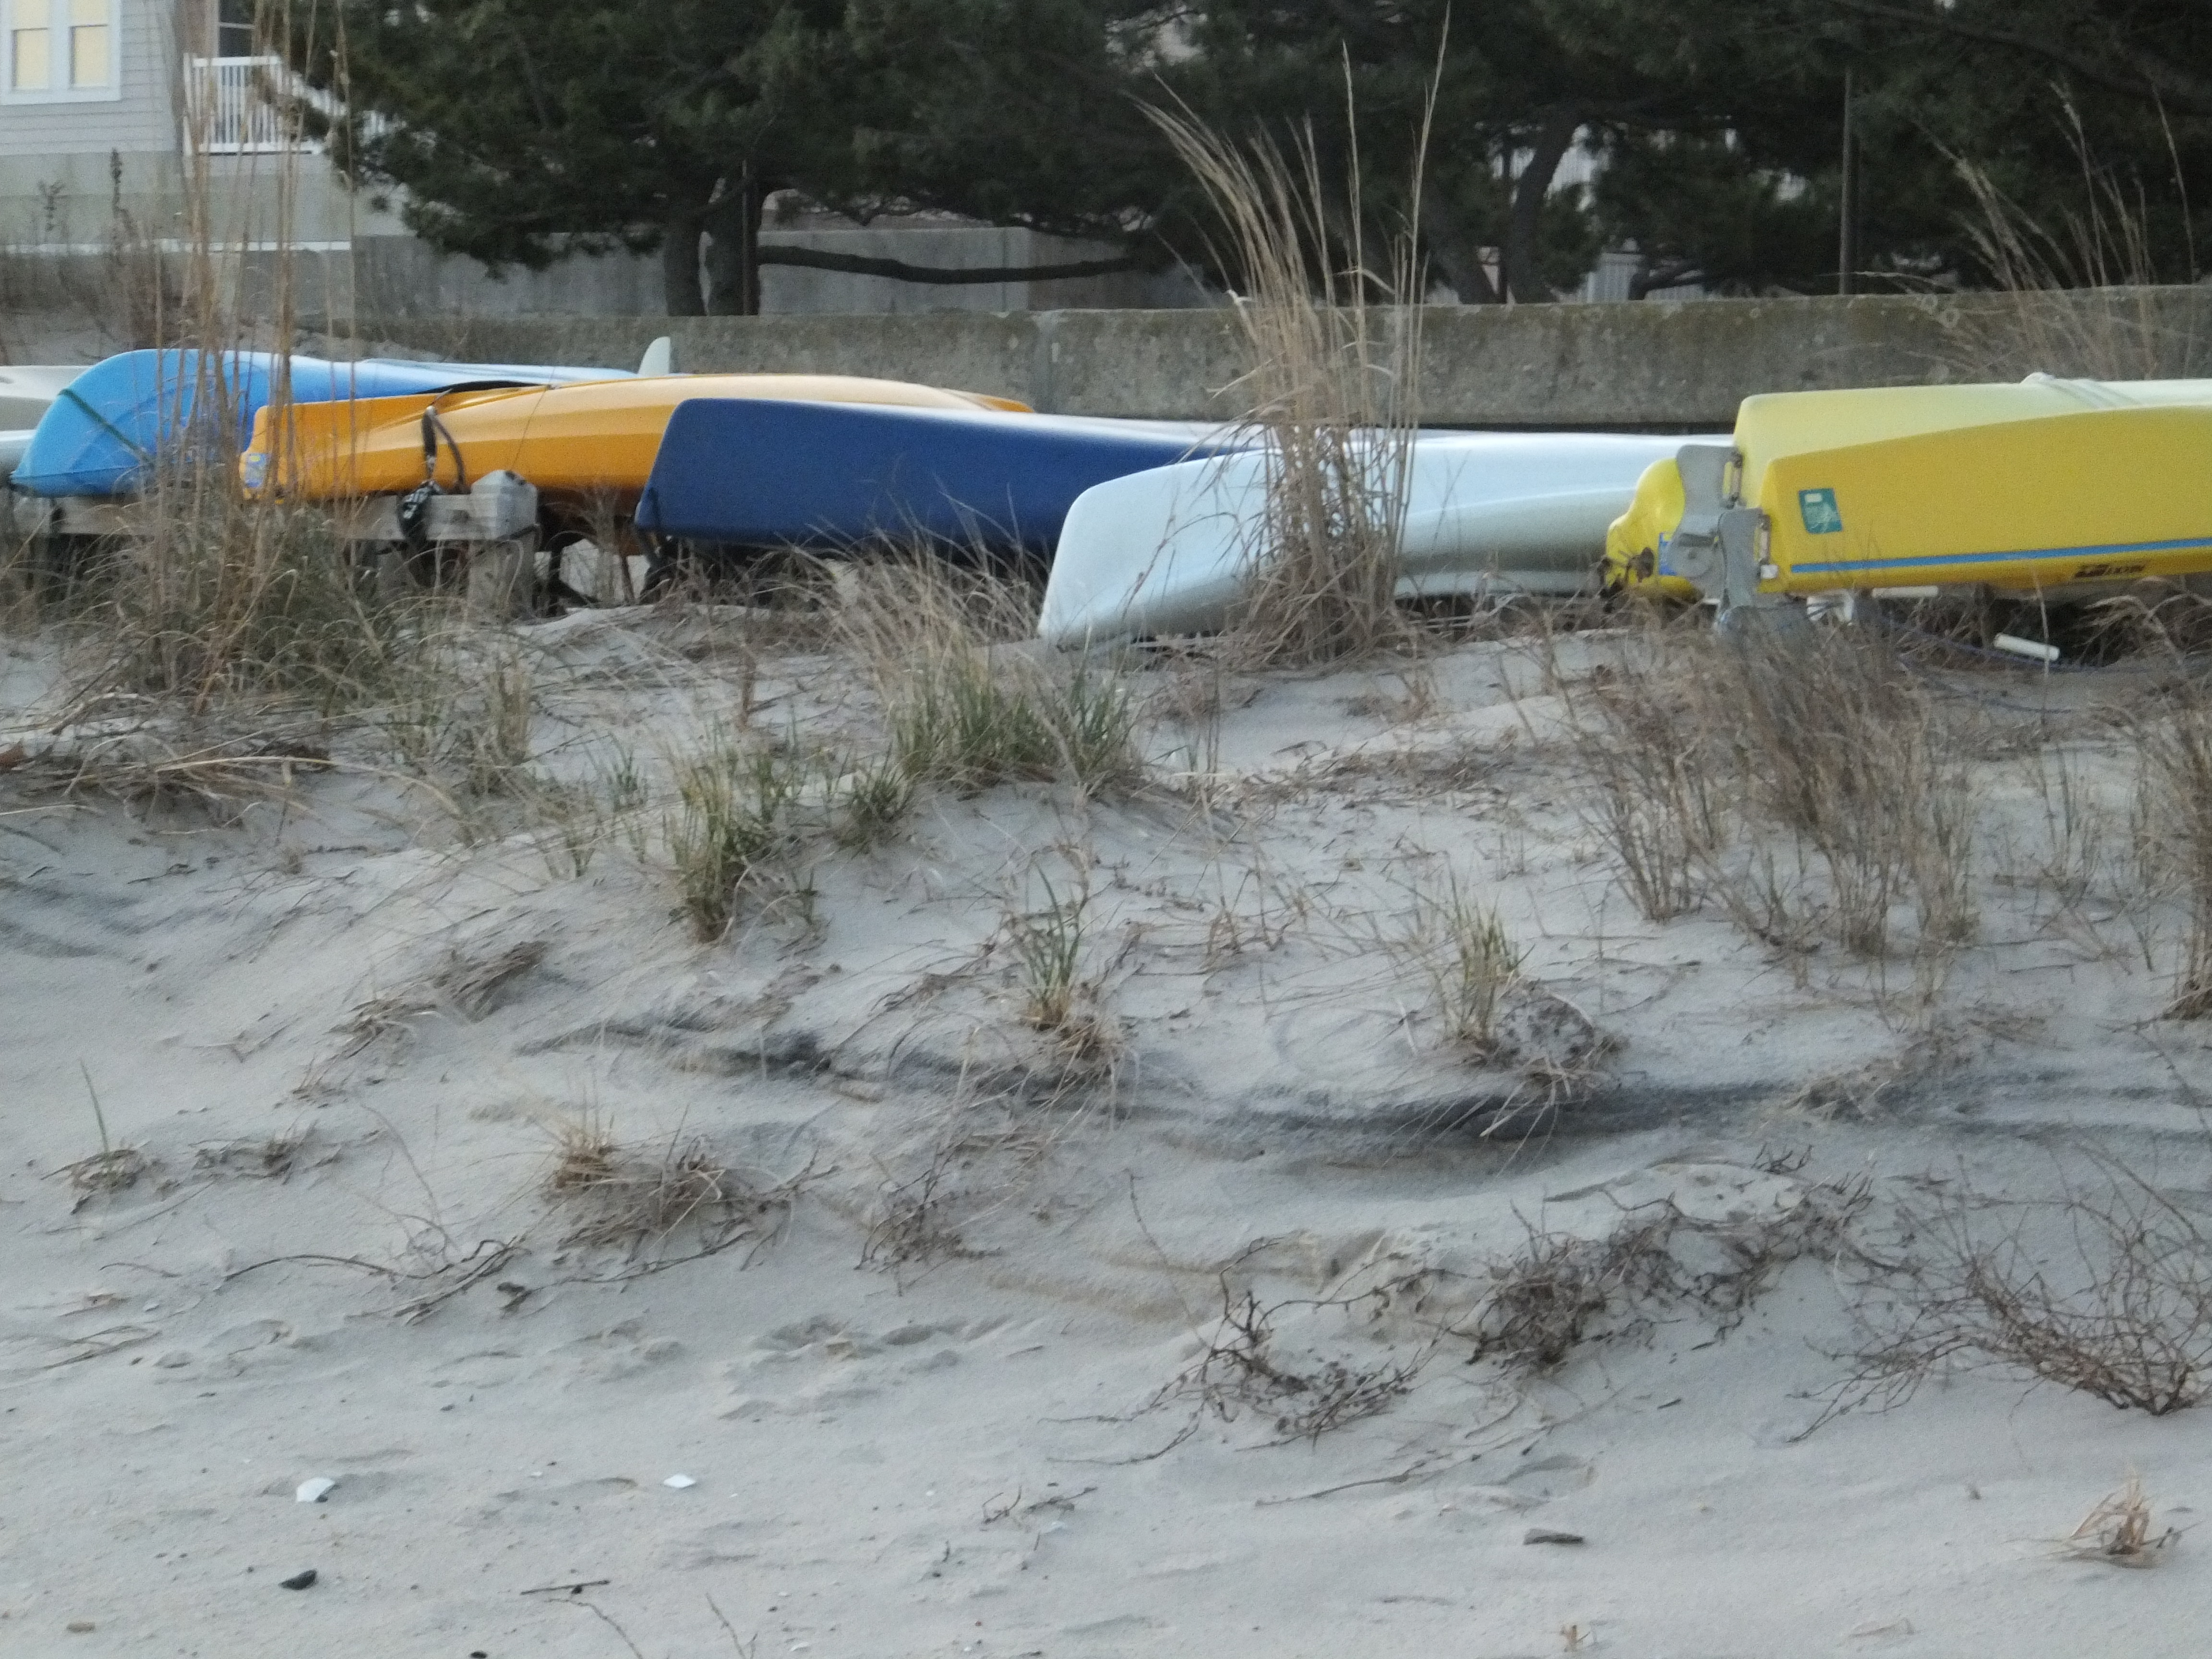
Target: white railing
(237,107)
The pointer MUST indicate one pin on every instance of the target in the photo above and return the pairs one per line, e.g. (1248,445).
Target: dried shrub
(2128,1319)
(269,1159)
(915,1221)
(1058,997)
(2078,294)
(1473,964)
(737,819)
(2167,617)
(2176,744)
(467,984)
(974,1158)
(1841,748)
(111,1170)
(651,1203)
(153,768)
(114,1168)
(1702,747)
(475,985)
(1241,1369)
(1657,807)
(1543,1302)
(2118,1530)
(209,596)
(873,797)
(1561,1291)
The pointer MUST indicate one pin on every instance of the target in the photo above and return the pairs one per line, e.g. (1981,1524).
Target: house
(109,109)
(150,122)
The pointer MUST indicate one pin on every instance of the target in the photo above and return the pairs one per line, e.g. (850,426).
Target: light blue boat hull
(119,422)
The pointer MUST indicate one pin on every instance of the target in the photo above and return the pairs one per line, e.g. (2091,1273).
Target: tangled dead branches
(1561,1291)
(1242,1370)
(2127,1318)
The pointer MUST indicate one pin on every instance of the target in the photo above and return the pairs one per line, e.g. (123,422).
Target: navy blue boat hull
(757,472)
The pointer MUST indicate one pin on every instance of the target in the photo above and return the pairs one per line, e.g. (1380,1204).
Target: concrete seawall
(1629,367)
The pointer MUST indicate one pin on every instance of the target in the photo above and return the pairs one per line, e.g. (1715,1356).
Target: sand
(940,1390)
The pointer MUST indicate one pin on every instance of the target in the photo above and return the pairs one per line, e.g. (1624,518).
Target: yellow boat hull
(594,441)
(1781,429)
(2109,496)
(1635,545)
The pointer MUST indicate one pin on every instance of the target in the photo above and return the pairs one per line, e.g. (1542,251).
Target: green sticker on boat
(1822,516)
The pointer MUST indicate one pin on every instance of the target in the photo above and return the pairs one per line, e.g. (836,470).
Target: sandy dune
(939,1371)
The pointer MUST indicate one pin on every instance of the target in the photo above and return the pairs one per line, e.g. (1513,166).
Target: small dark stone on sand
(1545,1536)
(298,1580)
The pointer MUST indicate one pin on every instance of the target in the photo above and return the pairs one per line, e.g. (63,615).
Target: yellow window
(90,58)
(29,52)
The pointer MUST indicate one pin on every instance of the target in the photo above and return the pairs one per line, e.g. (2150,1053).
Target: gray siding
(143,120)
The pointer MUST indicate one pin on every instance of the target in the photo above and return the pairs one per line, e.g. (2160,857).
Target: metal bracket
(27,514)
(498,508)
(1694,553)
(68,515)
(1720,547)
(1743,538)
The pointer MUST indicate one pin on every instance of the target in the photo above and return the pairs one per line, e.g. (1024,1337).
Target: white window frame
(57,56)
(214,27)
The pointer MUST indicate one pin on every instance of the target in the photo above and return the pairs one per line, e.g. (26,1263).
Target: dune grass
(1331,328)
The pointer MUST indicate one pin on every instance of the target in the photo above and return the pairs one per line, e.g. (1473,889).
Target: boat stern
(1637,543)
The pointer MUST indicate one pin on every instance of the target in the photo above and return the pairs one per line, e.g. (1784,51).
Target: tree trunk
(899,271)
(1457,258)
(733,223)
(1524,280)
(1655,277)
(679,263)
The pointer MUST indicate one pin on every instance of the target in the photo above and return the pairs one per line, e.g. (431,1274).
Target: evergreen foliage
(516,131)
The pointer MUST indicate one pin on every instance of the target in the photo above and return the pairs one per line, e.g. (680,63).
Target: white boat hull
(1167,552)
(26,389)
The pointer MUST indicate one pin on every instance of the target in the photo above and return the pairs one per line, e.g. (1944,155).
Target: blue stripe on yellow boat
(2117,549)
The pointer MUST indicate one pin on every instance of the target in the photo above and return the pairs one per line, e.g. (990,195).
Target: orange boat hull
(592,442)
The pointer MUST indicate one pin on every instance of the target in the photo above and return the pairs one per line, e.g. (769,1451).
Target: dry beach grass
(1305,1103)
(988,991)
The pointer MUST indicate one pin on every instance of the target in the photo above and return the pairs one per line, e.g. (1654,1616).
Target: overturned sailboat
(2016,489)
(113,426)
(592,445)
(759,473)
(1172,550)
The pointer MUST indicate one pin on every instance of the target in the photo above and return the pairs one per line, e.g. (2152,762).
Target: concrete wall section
(1660,364)
(977,352)
(1168,365)
(397,276)
(1626,366)
(67,202)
